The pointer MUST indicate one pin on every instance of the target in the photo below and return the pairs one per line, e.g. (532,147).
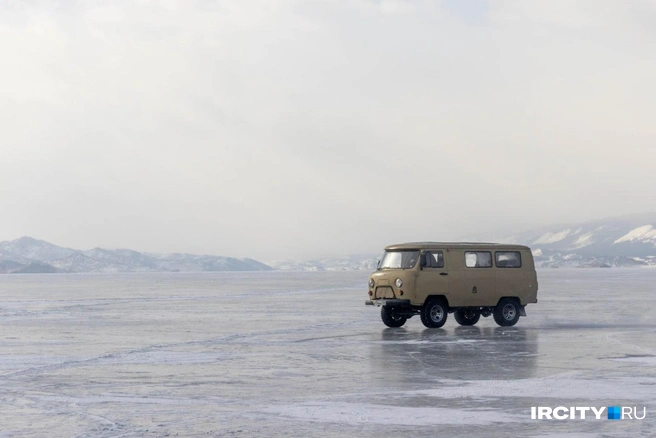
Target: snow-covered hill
(618,242)
(623,241)
(28,255)
(628,241)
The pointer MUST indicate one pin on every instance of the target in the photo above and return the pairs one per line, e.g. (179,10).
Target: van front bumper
(388,302)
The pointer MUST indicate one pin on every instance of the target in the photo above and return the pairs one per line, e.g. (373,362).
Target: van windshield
(399,260)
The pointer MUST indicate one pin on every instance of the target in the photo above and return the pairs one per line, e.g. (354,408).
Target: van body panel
(431,282)
(470,286)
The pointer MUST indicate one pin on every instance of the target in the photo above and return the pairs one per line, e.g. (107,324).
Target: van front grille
(384,292)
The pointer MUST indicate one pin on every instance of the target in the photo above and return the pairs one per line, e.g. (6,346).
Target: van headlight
(371,282)
(399,282)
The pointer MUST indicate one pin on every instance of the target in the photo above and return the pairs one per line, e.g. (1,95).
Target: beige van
(433,279)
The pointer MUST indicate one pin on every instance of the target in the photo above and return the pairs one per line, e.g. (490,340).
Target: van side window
(508,259)
(478,259)
(435,259)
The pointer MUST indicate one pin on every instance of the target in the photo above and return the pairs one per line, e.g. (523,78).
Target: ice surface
(361,413)
(298,354)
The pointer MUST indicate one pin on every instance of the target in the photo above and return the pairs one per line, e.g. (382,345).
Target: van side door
(476,282)
(432,279)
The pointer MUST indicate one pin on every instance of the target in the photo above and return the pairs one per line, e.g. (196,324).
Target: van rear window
(478,259)
(508,259)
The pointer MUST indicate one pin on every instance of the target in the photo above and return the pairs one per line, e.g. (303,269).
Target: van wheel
(391,318)
(506,313)
(467,317)
(434,313)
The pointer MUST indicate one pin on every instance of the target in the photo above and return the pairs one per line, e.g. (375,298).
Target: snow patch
(642,360)
(512,240)
(537,252)
(583,240)
(553,237)
(165,357)
(645,233)
(364,413)
(561,387)
(569,435)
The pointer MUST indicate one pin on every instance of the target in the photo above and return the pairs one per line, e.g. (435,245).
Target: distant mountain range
(28,255)
(617,242)
(628,241)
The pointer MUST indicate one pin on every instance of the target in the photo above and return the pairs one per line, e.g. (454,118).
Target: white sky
(276,129)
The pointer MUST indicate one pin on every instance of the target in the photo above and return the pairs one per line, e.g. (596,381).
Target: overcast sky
(294,129)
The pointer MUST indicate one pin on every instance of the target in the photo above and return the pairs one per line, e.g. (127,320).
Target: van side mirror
(378,265)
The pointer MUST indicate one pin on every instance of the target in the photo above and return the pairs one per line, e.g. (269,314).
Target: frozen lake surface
(299,354)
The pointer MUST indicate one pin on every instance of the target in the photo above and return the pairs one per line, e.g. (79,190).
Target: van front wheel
(506,313)
(467,317)
(391,318)
(434,313)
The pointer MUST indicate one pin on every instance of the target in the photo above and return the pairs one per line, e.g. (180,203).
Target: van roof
(454,245)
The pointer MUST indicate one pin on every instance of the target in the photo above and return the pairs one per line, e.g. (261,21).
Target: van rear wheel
(506,313)
(391,318)
(467,317)
(434,313)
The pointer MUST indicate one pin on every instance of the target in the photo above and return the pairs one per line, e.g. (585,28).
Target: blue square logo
(614,412)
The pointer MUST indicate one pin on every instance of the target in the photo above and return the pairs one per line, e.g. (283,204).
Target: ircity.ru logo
(583,412)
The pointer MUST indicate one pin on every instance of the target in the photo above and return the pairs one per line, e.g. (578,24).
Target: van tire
(467,317)
(391,318)
(506,313)
(434,313)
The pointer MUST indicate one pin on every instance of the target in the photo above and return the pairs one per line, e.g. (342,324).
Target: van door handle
(474,290)
(444,273)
